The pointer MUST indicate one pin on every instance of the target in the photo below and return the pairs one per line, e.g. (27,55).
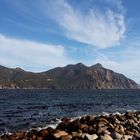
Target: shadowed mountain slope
(76,76)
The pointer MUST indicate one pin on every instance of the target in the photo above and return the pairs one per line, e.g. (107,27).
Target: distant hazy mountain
(76,76)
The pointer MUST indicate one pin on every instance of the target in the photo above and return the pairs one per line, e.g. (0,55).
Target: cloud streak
(31,55)
(98,28)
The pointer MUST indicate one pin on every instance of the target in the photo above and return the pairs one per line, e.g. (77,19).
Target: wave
(53,124)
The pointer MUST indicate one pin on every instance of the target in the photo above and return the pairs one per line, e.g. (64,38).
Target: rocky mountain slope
(76,76)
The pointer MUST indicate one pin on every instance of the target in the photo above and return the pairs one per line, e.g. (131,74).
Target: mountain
(76,76)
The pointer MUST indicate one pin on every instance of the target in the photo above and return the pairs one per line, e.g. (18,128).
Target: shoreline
(122,126)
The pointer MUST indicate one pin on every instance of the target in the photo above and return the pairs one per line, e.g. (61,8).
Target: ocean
(34,108)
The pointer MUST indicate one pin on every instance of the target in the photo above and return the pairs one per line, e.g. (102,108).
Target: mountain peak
(98,65)
(18,69)
(80,64)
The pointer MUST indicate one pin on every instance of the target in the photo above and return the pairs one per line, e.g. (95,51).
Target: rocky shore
(105,127)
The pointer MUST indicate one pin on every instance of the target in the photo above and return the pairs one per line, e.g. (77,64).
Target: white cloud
(96,28)
(31,55)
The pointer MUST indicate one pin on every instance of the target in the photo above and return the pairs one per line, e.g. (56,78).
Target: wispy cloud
(101,27)
(31,55)
(98,28)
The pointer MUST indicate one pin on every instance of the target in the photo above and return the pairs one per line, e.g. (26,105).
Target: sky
(38,35)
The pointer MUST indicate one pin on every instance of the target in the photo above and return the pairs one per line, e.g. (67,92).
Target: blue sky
(37,35)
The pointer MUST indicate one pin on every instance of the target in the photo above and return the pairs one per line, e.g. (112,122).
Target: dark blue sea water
(25,109)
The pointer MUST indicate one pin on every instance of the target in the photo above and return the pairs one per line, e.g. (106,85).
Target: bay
(25,109)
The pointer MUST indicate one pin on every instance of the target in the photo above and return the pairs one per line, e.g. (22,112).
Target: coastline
(123,126)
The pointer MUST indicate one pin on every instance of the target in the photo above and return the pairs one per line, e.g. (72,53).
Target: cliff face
(80,76)
(76,76)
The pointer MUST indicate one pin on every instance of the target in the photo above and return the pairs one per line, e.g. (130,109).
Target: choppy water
(25,109)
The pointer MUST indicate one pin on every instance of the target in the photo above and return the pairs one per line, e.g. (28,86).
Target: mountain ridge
(72,76)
